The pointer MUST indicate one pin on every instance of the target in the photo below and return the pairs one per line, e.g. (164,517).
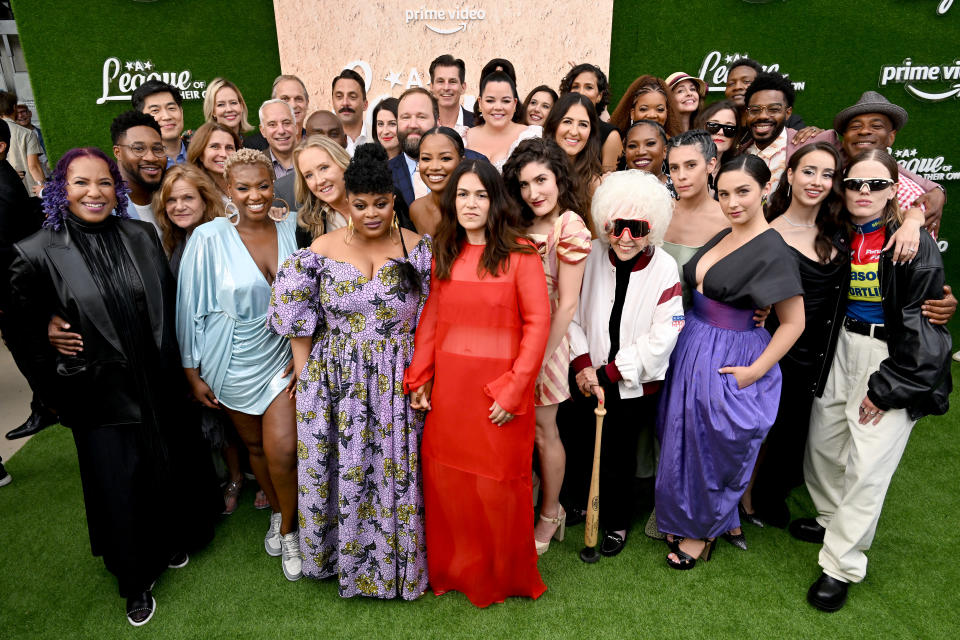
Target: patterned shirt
(775,155)
(907,192)
(865,302)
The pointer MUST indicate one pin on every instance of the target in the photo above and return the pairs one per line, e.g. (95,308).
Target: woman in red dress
(478,349)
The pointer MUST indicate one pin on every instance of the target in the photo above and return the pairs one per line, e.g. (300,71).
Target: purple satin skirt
(711,431)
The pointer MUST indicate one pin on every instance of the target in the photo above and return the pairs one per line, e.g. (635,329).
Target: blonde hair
(247,157)
(210,102)
(633,195)
(212,202)
(312,216)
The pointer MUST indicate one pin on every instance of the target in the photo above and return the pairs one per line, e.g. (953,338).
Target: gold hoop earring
(285,208)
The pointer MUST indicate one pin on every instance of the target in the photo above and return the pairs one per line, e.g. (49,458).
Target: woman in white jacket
(621,337)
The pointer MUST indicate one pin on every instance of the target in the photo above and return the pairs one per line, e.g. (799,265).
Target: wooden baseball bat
(593,501)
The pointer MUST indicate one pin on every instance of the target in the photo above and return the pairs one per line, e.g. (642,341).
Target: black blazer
(20,216)
(401,175)
(94,388)
(467,117)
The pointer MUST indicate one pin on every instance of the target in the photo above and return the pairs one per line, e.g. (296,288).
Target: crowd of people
(401,334)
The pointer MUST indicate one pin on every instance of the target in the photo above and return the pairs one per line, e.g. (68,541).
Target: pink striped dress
(569,241)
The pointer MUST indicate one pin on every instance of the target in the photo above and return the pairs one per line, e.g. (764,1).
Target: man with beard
(164,103)
(350,103)
(140,154)
(740,76)
(417,113)
(769,100)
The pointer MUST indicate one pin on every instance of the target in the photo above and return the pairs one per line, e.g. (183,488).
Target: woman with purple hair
(148,488)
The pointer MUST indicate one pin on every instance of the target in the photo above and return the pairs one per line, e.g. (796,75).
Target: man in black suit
(448,83)
(417,113)
(20,216)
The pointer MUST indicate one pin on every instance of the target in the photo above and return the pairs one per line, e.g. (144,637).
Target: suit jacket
(401,175)
(50,276)
(467,117)
(20,216)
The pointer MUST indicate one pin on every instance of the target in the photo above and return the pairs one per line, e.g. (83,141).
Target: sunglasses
(636,228)
(874,184)
(729,130)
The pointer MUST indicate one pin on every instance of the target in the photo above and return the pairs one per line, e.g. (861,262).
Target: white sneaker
(292,562)
(271,542)
(956,356)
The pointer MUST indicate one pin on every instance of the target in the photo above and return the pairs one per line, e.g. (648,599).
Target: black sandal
(686,561)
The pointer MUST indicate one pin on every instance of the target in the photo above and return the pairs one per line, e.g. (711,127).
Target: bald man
(326,123)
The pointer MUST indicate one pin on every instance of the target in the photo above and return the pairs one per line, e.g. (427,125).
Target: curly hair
(548,153)
(771,81)
(828,214)
(55,205)
(128,120)
(633,195)
(210,102)
(314,212)
(603,86)
(502,230)
(586,164)
(171,234)
(368,173)
(243,157)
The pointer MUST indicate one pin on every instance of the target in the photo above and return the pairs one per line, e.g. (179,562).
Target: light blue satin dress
(222,303)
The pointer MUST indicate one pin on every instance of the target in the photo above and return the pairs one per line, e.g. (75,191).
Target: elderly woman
(621,338)
(148,488)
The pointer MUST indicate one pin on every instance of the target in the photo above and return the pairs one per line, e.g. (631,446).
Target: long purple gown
(710,430)
(358,441)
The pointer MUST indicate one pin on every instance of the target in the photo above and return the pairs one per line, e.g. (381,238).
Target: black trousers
(622,426)
(34,370)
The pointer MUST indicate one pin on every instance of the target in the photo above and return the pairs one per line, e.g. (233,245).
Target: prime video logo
(462,15)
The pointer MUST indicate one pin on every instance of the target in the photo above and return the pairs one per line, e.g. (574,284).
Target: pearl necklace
(790,222)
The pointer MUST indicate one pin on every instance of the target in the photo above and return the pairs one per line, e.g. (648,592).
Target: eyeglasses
(729,130)
(139,149)
(874,184)
(636,228)
(774,109)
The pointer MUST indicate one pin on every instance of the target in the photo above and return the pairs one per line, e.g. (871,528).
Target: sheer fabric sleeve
(295,296)
(421,367)
(574,243)
(513,390)
(421,262)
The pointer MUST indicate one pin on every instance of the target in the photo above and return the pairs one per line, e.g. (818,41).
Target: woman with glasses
(720,121)
(891,367)
(621,338)
(723,384)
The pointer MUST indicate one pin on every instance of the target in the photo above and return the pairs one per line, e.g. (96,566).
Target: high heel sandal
(685,561)
(736,539)
(231,494)
(561,521)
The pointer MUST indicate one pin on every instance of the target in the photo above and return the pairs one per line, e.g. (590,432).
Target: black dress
(148,483)
(780,468)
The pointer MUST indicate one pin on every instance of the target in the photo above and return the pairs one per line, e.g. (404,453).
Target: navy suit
(401,175)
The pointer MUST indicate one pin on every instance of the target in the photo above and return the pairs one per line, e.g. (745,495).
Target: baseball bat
(589,553)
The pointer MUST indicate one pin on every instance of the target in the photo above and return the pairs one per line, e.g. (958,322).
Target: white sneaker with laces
(271,542)
(292,562)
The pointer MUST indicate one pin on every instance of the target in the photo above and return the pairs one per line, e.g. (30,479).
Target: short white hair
(276,101)
(633,195)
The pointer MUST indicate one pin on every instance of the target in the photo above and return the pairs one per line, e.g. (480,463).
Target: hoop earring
(285,208)
(232,213)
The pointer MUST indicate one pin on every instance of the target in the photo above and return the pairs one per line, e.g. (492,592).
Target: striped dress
(569,241)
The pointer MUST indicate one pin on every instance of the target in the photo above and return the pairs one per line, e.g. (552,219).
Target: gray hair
(276,101)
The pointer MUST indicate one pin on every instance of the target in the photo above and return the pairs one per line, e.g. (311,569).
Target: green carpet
(51,587)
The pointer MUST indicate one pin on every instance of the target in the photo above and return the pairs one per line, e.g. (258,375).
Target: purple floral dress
(358,440)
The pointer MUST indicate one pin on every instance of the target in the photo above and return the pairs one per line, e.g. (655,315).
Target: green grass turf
(51,587)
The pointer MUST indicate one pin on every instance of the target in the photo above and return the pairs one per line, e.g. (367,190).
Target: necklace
(790,222)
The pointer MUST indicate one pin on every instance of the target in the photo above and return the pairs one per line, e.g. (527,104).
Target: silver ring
(873,413)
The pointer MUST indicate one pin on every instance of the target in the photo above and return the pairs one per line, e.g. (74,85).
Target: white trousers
(848,466)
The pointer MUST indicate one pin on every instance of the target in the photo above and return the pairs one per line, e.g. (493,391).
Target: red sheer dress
(481,339)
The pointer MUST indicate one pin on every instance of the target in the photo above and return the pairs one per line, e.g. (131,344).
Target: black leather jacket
(916,376)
